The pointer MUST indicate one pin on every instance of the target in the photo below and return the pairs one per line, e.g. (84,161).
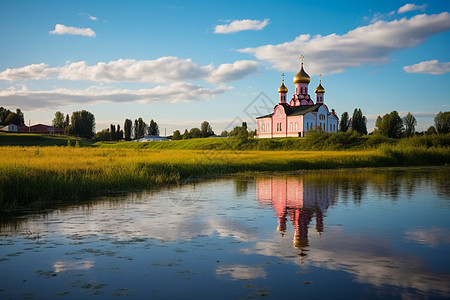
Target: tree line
(9,117)
(392,125)
(130,131)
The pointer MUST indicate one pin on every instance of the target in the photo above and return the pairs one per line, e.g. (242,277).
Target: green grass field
(41,175)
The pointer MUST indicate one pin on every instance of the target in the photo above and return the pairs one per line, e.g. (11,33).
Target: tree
(12,118)
(390,125)
(112,132)
(344,125)
(186,135)
(3,115)
(83,124)
(176,135)
(442,122)
(139,128)
(21,117)
(359,121)
(67,121)
(153,128)
(224,133)
(128,126)
(195,133)
(58,121)
(103,135)
(206,129)
(119,133)
(431,130)
(410,125)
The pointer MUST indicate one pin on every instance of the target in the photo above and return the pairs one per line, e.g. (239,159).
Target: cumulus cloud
(62,29)
(164,69)
(241,25)
(411,7)
(429,67)
(233,71)
(371,44)
(176,92)
(33,71)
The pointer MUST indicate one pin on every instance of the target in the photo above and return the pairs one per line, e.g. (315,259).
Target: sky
(184,62)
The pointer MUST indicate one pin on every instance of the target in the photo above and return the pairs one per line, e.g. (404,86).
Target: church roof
(296,110)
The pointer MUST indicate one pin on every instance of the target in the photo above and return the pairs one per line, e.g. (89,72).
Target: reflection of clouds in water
(242,272)
(370,260)
(237,230)
(61,266)
(145,216)
(431,237)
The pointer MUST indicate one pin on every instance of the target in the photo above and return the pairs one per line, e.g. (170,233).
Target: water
(369,235)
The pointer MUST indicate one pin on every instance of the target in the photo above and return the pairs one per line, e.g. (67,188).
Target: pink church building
(301,114)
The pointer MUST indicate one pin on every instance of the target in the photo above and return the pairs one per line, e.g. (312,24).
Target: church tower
(320,91)
(282,90)
(301,81)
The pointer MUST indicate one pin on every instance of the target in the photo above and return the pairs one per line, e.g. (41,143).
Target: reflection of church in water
(300,199)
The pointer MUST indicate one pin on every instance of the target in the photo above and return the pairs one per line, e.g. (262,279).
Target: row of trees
(392,125)
(357,122)
(9,117)
(131,130)
(82,123)
(204,131)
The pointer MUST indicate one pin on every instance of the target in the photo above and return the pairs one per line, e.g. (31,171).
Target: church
(301,114)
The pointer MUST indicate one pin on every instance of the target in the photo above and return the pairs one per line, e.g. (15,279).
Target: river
(382,234)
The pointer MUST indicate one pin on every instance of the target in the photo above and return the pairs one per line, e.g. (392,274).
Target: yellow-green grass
(43,175)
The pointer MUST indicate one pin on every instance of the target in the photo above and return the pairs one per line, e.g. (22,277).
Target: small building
(152,138)
(9,128)
(301,114)
(38,128)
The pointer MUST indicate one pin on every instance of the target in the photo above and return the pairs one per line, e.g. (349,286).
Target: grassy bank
(14,139)
(42,175)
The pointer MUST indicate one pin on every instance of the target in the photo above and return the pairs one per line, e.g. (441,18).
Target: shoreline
(37,177)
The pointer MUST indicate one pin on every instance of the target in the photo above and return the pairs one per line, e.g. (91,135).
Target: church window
(296,126)
(290,126)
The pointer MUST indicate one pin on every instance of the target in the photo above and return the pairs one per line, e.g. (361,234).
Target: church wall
(309,122)
(322,118)
(264,127)
(279,123)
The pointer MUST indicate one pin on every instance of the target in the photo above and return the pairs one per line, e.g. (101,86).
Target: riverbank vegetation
(44,175)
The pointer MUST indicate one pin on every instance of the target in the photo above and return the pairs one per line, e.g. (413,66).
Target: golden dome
(301,76)
(319,89)
(282,88)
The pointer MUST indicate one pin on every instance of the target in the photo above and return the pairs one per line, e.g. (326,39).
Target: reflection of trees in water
(241,186)
(390,183)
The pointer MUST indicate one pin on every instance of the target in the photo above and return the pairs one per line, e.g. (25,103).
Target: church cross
(320,78)
(282,75)
(301,58)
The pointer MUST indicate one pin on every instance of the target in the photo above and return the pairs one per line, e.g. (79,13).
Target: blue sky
(182,62)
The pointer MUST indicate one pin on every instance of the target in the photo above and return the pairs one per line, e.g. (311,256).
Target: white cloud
(234,71)
(92,18)
(164,69)
(371,44)
(429,67)
(241,25)
(62,29)
(175,92)
(34,71)
(411,7)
